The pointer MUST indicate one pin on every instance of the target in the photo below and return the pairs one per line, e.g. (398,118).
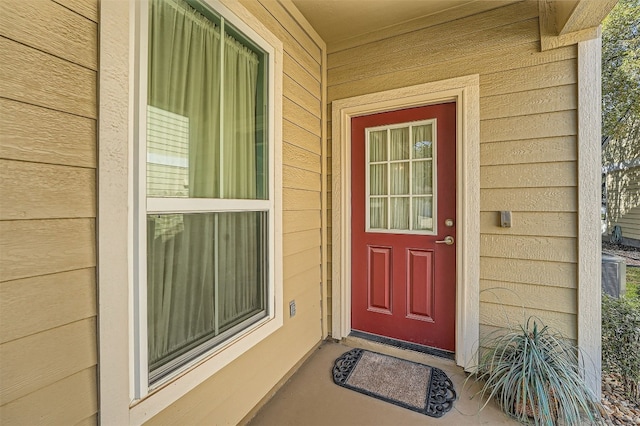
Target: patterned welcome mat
(417,387)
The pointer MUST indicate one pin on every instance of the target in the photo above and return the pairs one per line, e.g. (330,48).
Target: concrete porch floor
(310,397)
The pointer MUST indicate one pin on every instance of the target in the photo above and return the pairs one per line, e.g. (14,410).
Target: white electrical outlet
(292,308)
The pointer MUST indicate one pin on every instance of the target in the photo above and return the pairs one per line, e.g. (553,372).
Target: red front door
(403,199)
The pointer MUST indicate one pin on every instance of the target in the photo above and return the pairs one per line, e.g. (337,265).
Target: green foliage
(633,286)
(534,375)
(621,82)
(621,342)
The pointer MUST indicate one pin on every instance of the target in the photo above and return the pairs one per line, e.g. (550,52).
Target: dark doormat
(418,387)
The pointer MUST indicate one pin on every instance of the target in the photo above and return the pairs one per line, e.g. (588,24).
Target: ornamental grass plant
(534,374)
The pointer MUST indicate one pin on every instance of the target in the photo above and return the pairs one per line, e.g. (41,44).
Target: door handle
(448,240)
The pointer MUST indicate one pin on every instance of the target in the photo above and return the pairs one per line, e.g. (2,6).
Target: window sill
(184,381)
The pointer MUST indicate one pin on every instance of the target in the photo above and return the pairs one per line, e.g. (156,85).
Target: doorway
(403,187)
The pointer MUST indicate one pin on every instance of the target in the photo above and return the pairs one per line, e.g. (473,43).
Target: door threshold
(401,344)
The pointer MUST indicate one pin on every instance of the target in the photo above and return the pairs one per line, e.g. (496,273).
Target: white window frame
(411,160)
(125,397)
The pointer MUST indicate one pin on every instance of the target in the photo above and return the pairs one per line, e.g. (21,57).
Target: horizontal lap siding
(48,350)
(232,392)
(630,224)
(528,146)
(623,201)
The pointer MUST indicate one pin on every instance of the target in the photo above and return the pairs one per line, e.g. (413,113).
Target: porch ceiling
(342,22)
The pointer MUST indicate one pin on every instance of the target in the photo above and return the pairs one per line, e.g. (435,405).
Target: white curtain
(209,253)
(378,179)
(422,182)
(405,195)
(238,256)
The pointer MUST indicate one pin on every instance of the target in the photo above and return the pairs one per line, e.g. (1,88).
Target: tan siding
(51,28)
(89,421)
(35,134)
(300,95)
(538,175)
(47,83)
(310,275)
(37,247)
(623,199)
(307,297)
(36,361)
(51,405)
(300,220)
(563,123)
(295,178)
(309,81)
(550,74)
(438,33)
(300,262)
(453,47)
(552,274)
(529,151)
(630,223)
(231,393)
(86,8)
(54,191)
(552,249)
(303,118)
(528,102)
(557,299)
(495,314)
(531,102)
(47,220)
(294,156)
(297,242)
(297,199)
(31,305)
(529,199)
(548,224)
(301,138)
(510,57)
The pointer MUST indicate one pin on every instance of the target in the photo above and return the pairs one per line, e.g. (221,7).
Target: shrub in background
(621,342)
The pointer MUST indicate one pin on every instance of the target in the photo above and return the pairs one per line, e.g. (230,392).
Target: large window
(206,202)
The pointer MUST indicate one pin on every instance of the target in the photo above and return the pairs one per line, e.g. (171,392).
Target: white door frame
(465,92)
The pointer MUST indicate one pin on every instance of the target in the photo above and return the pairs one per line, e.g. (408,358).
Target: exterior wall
(48,116)
(623,201)
(231,393)
(630,224)
(528,150)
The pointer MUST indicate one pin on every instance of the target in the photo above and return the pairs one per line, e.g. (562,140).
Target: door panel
(420,284)
(379,279)
(403,202)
